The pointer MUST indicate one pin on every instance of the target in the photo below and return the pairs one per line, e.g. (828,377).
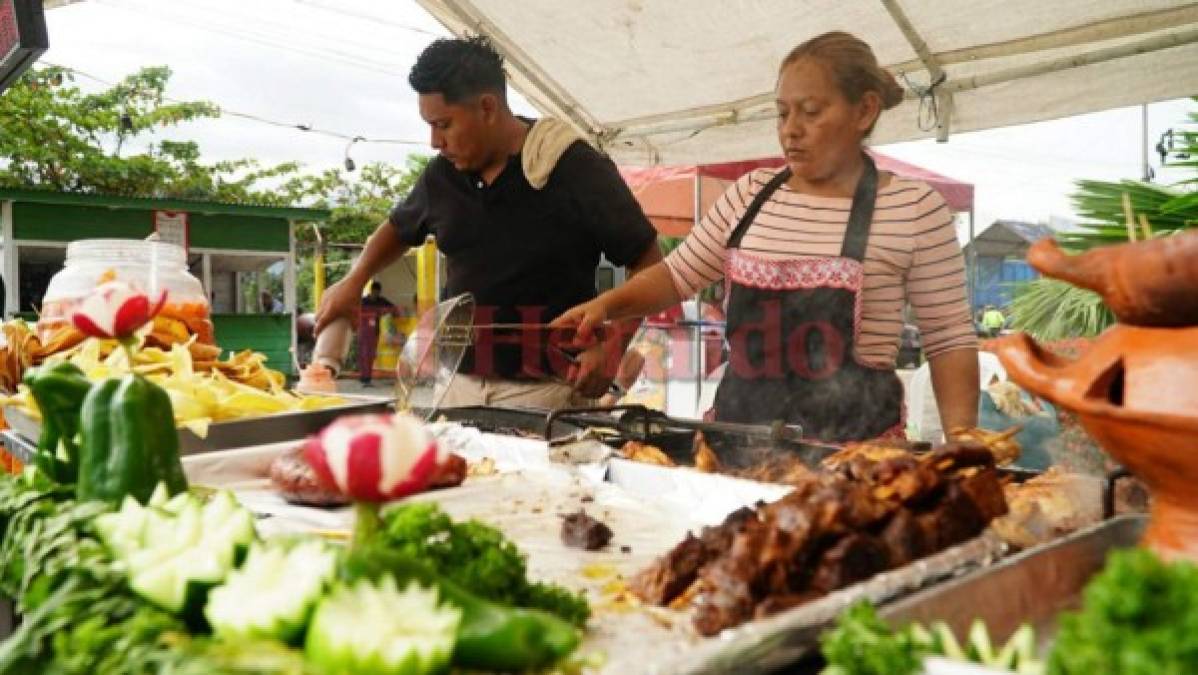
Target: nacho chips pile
(201,391)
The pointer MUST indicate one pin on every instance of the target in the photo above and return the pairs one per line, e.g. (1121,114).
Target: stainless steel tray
(239,433)
(1031,587)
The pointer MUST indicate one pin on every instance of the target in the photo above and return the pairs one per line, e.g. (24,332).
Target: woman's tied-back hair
(853,66)
(459,69)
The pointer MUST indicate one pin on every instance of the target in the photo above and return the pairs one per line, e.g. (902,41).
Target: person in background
(993,321)
(522,210)
(270,305)
(374,306)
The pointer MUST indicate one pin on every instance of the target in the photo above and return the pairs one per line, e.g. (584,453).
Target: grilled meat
(582,531)
(834,529)
(674,572)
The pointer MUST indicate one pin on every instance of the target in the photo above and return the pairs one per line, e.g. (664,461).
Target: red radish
(375,458)
(116,309)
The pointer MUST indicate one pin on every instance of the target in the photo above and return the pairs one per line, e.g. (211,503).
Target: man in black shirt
(522,211)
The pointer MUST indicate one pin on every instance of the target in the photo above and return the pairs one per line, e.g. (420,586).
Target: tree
(357,207)
(55,136)
(1113,213)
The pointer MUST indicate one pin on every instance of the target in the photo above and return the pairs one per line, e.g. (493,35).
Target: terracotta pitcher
(1136,393)
(1149,283)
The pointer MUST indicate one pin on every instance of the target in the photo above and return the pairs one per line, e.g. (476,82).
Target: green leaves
(477,557)
(1049,309)
(1140,616)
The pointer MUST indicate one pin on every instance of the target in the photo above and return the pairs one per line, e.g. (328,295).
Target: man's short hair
(459,69)
(376,286)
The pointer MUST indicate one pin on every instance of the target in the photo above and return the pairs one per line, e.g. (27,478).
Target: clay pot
(1148,283)
(1136,393)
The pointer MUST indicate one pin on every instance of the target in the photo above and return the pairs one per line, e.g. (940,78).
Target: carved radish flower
(375,458)
(116,309)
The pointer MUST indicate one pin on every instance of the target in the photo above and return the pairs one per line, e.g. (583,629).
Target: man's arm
(344,298)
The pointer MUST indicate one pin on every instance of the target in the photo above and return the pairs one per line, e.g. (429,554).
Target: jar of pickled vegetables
(149,265)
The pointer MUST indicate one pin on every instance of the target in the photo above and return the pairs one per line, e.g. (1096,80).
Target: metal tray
(1031,587)
(239,433)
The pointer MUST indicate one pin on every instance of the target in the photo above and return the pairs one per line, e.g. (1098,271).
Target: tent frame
(463,16)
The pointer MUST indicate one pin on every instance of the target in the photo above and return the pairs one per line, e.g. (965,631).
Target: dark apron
(791,329)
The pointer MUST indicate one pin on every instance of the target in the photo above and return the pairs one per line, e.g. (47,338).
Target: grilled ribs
(834,529)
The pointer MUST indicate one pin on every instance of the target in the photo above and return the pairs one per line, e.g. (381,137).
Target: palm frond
(1049,309)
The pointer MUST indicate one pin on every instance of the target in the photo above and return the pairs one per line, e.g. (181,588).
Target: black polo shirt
(526,255)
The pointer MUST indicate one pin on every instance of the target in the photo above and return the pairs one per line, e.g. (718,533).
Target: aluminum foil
(648,508)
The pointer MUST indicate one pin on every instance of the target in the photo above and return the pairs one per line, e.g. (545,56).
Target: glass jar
(149,265)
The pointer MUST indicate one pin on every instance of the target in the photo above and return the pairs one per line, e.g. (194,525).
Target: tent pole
(1148,175)
(697,331)
(12,271)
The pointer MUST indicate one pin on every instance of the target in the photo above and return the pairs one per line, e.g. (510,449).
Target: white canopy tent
(659,82)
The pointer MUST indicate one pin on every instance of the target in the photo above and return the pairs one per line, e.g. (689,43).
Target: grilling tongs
(642,422)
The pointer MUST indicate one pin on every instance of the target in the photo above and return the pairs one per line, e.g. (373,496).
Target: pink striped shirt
(913,256)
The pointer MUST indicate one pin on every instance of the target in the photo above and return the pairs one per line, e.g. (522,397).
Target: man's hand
(341,300)
(593,372)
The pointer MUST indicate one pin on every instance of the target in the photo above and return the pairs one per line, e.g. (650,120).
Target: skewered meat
(832,530)
(870,452)
(582,531)
(1001,443)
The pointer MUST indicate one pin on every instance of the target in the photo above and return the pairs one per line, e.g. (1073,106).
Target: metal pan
(1031,587)
(240,433)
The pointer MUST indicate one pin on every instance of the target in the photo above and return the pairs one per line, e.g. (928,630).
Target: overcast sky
(341,65)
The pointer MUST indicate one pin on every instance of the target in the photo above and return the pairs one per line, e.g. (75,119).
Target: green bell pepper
(129,442)
(59,390)
(490,636)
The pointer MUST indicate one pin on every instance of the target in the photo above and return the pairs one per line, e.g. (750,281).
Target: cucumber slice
(949,646)
(158,497)
(1022,642)
(174,504)
(980,647)
(122,530)
(180,583)
(922,636)
(178,548)
(273,594)
(373,629)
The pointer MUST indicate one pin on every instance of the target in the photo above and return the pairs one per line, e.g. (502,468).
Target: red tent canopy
(667,193)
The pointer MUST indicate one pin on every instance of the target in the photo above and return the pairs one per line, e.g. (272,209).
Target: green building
(229,246)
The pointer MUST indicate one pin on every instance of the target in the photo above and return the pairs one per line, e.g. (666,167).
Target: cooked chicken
(705,458)
(645,453)
(1049,506)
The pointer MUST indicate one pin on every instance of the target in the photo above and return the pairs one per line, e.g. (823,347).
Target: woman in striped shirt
(819,259)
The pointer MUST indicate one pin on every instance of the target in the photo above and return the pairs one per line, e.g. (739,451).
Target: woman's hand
(584,319)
